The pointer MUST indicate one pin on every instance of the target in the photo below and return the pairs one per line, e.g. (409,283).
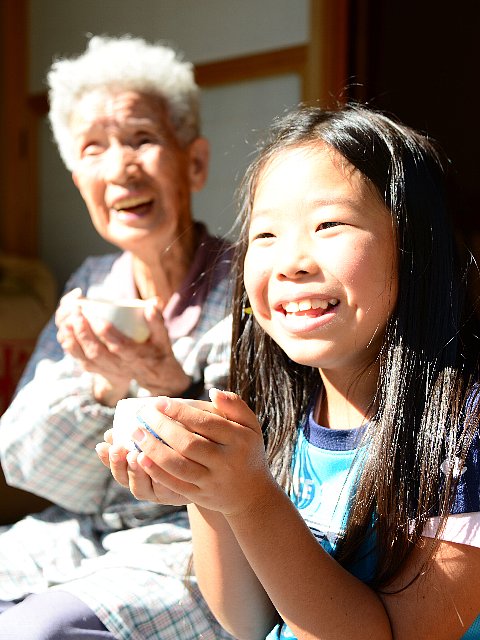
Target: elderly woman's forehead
(101,103)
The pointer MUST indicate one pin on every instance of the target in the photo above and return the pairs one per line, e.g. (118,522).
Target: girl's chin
(308,355)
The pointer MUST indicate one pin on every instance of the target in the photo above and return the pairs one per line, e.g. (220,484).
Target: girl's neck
(346,403)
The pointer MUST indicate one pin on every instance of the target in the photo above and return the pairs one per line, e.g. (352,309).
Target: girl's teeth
(305,305)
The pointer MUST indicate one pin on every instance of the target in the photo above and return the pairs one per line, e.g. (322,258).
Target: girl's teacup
(127,418)
(131,413)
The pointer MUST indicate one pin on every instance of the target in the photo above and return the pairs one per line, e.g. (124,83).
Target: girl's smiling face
(320,269)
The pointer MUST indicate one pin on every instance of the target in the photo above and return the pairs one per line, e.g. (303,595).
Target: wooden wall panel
(328,50)
(18,175)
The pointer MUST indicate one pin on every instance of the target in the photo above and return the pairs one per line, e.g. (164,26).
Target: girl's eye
(263,235)
(328,225)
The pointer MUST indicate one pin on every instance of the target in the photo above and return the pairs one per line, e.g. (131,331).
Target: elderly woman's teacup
(126,315)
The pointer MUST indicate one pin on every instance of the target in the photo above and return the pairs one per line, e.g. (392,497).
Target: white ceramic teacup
(126,315)
(131,413)
(126,419)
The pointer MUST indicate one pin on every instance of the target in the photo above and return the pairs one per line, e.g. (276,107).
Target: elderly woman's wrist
(188,388)
(108,392)
(194,390)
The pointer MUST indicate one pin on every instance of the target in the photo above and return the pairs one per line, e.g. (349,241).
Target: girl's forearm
(312,592)
(226,580)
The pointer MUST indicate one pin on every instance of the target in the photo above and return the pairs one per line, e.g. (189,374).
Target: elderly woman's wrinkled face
(134,176)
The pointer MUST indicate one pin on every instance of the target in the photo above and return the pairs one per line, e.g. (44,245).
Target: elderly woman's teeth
(306,305)
(130,203)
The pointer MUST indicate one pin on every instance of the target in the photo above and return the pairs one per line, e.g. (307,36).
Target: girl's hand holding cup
(209,453)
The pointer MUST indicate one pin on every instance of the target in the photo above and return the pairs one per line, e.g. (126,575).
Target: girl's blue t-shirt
(325,467)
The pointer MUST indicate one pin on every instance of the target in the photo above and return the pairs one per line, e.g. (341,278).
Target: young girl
(349,507)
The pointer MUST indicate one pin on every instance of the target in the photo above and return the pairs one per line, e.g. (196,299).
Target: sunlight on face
(320,269)
(130,169)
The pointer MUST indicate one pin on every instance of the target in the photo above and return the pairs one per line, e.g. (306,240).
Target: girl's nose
(295,260)
(121,164)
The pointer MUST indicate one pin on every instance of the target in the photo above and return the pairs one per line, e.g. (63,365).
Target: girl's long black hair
(426,392)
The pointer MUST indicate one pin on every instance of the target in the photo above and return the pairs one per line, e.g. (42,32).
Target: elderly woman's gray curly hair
(124,63)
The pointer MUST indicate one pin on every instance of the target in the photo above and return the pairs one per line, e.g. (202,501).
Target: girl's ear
(198,157)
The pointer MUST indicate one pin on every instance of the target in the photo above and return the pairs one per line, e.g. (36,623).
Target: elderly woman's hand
(116,359)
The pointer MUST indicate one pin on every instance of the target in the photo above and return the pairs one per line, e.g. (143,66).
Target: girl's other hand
(114,458)
(125,470)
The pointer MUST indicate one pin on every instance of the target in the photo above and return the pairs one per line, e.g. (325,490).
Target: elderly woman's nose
(121,163)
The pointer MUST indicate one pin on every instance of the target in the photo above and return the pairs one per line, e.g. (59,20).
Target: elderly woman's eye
(92,149)
(145,138)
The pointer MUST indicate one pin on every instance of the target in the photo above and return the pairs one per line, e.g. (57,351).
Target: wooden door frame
(18,131)
(321,64)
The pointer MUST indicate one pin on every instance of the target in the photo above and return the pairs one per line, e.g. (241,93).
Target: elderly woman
(98,563)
